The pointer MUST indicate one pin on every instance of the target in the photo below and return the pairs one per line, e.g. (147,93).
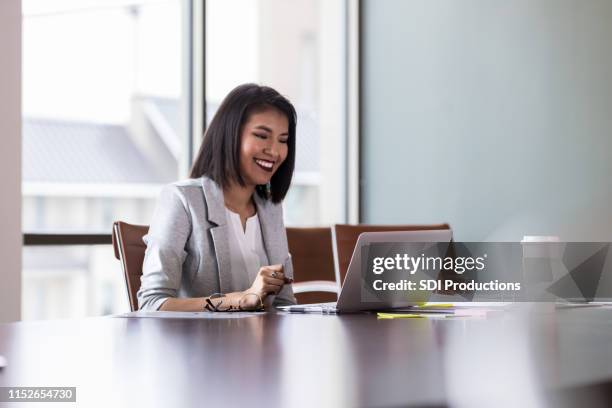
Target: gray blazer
(187,251)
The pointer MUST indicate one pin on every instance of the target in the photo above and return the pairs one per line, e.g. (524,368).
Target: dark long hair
(219,154)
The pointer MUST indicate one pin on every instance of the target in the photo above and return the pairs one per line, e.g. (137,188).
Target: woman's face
(263,146)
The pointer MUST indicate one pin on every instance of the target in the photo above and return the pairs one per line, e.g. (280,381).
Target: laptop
(349,299)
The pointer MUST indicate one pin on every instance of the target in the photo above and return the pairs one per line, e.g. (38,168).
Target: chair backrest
(313,259)
(130,250)
(345,238)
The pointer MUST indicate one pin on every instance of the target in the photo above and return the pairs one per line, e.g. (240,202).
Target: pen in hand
(270,298)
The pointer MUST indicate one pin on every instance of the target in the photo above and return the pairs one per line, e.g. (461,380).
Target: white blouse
(247,252)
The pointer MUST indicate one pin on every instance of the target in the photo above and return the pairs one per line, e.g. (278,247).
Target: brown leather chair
(345,238)
(311,253)
(313,264)
(130,250)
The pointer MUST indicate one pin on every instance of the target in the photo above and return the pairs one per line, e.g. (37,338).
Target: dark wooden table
(521,358)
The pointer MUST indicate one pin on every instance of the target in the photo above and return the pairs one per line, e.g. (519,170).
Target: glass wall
(502,134)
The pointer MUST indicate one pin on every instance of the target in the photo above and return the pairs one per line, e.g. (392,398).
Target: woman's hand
(269,281)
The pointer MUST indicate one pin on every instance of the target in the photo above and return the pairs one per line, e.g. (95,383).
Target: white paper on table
(189,315)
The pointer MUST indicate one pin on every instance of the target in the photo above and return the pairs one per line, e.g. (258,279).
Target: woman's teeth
(266,165)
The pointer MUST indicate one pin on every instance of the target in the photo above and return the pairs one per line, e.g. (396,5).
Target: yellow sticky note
(436,306)
(399,316)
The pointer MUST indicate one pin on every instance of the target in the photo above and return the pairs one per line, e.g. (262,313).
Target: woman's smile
(266,165)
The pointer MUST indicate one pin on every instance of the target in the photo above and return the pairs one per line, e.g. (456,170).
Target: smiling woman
(217,241)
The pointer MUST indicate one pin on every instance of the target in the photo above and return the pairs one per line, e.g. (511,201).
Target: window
(110,101)
(105,125)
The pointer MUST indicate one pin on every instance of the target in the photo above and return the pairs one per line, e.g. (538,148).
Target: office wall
(493,115)
(10,159)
